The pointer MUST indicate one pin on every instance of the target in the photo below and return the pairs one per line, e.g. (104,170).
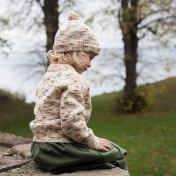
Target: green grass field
(149,137)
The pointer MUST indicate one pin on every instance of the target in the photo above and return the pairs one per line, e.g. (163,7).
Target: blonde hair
(66,57)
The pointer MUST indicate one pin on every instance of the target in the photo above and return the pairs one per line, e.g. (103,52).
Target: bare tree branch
(156,20)
(40,4)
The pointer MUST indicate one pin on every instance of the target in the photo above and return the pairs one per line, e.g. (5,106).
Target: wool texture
(74,35)
(63,108)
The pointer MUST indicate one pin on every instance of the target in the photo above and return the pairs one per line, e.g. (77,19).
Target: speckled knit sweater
(63,108)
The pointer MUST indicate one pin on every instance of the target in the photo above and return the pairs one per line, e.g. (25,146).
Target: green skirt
(69,157)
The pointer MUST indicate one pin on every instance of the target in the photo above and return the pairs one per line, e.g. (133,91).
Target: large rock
(10,140)
(31,169)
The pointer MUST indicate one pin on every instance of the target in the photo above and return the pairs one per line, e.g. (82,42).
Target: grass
(148,137)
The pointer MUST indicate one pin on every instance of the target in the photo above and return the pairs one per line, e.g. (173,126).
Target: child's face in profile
(86,63)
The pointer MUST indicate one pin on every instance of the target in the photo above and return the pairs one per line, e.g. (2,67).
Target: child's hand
(104,145)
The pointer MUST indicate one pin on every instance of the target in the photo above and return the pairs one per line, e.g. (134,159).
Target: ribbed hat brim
(65,47)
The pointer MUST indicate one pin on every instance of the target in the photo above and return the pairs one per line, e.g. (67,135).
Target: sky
(17,78)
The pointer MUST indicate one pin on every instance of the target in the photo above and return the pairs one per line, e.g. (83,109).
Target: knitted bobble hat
(75,36)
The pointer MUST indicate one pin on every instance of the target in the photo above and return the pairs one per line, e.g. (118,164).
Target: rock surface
(22,150)
(10,140)
(16,161)
(31,169)
(9,160)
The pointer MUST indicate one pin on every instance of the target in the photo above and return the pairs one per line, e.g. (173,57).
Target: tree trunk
(128,25)
(51,16)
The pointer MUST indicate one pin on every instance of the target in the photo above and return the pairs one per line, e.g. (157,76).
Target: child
(62,141)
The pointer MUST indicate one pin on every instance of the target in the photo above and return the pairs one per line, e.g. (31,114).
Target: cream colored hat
(75,36)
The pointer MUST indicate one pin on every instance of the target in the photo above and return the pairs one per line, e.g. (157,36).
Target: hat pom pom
(73,16)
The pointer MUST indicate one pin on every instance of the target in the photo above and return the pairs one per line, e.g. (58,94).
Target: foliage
(7,96)
(141,100)
(3,41)
(147,98)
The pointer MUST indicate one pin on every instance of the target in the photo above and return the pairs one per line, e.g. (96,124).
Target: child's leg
(60,157)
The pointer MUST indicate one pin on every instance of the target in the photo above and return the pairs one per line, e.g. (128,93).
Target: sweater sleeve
(72,113)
